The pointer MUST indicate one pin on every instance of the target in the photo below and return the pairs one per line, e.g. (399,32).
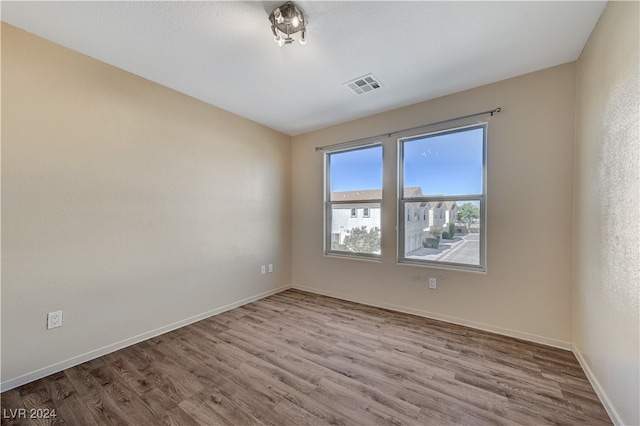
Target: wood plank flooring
(297,358)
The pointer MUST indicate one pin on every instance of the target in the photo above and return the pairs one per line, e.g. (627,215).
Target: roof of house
(371,194)
(376,194)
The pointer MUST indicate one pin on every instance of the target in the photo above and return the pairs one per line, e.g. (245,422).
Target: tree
(435,231)
(360,240)
(452,229)
(467,214)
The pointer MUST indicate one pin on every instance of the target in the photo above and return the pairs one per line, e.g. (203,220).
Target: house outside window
(353,181)
(443,173)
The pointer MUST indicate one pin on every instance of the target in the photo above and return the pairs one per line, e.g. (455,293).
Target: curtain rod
(336,145)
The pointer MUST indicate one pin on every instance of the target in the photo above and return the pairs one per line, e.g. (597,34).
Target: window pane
(444,164)
(356,174)
(443,231)
(354,183)
(442,198)
(357,233)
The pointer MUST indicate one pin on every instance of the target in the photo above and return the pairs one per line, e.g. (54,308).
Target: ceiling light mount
(286,20)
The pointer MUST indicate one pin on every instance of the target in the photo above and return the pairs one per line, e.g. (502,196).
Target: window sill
(444,266)
(334,255)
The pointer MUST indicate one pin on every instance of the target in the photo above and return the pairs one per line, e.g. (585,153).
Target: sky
(356,170)
(448,164)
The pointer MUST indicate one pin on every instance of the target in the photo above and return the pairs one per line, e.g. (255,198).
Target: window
(353,180)
(444,174)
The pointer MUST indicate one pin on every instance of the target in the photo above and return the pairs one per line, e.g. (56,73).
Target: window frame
(480,198)
(328,205)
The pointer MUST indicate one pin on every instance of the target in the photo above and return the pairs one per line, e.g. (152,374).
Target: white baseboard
(606,402)
(71,362)
(453,320)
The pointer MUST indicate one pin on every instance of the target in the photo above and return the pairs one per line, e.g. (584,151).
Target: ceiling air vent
(366,83)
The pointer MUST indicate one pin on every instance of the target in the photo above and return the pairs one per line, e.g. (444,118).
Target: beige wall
(526,291)
(129,206)
(135,209)
(606,301)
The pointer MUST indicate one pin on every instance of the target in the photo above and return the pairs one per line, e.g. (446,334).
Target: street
(463,249)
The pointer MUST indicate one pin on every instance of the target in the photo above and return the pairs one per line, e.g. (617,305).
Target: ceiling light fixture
(286,20)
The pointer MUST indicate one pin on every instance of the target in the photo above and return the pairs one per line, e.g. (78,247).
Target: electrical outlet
(54,319)
(263,269)
(433,283)
(270,267)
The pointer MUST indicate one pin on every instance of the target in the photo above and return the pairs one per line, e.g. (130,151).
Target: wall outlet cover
(54,319)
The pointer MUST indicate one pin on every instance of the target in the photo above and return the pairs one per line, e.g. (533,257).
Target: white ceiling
(223,53)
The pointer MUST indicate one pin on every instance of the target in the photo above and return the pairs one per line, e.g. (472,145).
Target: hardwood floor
(297,358)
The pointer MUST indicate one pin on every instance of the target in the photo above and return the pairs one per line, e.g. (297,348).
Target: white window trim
(481,198)
(328,251)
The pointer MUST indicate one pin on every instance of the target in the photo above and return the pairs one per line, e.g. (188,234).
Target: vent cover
(366,83)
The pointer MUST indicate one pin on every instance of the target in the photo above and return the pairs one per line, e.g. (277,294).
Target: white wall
(130,207)
(526,291)
(342,221)
(606,256)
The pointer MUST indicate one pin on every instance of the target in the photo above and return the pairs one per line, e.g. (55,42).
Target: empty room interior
(348,213)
